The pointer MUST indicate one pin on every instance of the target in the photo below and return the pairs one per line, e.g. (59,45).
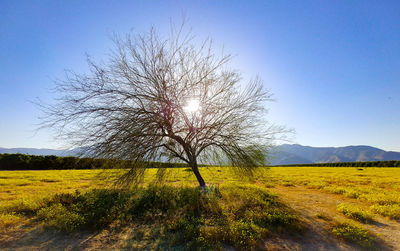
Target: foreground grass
(239,212)
(240,216)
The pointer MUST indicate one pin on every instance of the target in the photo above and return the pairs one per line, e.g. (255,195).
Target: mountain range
(39,151)
(297,154)
(281,155)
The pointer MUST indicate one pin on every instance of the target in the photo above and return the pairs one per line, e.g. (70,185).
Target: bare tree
(164,99)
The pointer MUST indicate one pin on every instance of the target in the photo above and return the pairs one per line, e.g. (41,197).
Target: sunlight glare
(193,105)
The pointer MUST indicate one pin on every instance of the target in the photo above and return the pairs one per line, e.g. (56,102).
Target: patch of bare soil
(317,210)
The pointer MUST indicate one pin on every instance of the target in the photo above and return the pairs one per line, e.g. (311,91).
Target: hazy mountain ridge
(282,155)
(39,151)
(298,154)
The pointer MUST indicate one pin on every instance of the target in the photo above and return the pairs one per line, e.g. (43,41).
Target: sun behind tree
(161,99)
(192,105)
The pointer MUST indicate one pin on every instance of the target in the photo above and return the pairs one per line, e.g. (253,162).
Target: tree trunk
(196,172)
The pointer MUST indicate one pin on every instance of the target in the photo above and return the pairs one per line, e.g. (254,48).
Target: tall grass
(240,216)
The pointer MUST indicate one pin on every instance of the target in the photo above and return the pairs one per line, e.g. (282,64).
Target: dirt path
(318,211)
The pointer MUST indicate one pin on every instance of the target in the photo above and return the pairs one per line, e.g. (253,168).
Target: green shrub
(24,206)
(239,215)
(59,217)
(96,208)
(188,229)
(102,207)
(355,212)
(355,234)
(167,200)
(259,206)
(244,234)
(335,189)
(392,210)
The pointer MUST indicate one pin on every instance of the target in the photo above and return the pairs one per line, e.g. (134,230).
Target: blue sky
(333,66)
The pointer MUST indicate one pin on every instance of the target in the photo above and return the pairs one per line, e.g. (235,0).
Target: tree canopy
(164,99)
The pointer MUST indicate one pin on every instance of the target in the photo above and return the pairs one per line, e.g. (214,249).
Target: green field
(351,204)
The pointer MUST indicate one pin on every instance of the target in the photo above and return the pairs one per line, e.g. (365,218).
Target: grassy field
(236,212)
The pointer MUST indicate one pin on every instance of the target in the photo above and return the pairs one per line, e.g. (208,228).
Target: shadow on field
(128,237)
(137,237)
(377,223)
(316,237)
(39,239)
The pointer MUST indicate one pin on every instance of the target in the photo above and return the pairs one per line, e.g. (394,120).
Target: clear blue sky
(334,66)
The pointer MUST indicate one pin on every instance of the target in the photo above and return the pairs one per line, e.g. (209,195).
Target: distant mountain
(282,155)
(285,158)
(298,154)
(42,151)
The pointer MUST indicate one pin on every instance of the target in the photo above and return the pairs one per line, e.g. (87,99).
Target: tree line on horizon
(51,162)
(383,163)
(20,161)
